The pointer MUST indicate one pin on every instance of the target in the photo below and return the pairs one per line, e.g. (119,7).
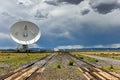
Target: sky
(64,24)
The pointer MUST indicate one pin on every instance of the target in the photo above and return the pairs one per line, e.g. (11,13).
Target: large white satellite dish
(25,33)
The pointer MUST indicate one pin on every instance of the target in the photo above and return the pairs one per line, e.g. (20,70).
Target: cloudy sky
(64,23)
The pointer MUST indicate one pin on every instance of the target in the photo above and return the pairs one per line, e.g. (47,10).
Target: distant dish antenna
(25,33)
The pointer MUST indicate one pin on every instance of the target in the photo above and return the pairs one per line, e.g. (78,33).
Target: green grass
(114,56)
(14,60)
(1,67)
(84,57)
(111,68)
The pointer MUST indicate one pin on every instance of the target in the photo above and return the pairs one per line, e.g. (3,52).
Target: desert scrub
(71,62)
(59,66)
(111,55)
(79,56)
(89,59)
(1,67)
(16,59)
(111,68)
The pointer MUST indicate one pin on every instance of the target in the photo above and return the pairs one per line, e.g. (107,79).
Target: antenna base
(22,48)
(25,47)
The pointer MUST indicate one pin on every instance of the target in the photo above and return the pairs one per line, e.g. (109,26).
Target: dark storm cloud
(90,35)
(64,24)
(71,1)
(51,2)
(57,2)
(85,11)
(104,6)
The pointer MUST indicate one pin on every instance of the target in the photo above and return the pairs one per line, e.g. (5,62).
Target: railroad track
(92,72)
(34,70)
(30,72)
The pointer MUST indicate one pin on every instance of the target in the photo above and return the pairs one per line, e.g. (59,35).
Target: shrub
(81,57)
(8,57)
(111,66)
(71,62)
(96,60)
(58,66)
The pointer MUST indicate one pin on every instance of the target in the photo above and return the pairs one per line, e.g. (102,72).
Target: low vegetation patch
(59,66)
(1,67)
(109,55)
(14,60)
(71,62)
(79,56)
(111,68)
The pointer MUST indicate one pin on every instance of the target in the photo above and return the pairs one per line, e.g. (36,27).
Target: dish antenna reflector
(25,33)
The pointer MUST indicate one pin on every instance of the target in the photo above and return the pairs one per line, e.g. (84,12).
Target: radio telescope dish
(25,33)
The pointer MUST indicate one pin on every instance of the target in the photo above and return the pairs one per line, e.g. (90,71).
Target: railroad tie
(115,74)
(17,74)
(26,74)
(88,76)
(80,70)
(98,76)
(37,74)
(108,76)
